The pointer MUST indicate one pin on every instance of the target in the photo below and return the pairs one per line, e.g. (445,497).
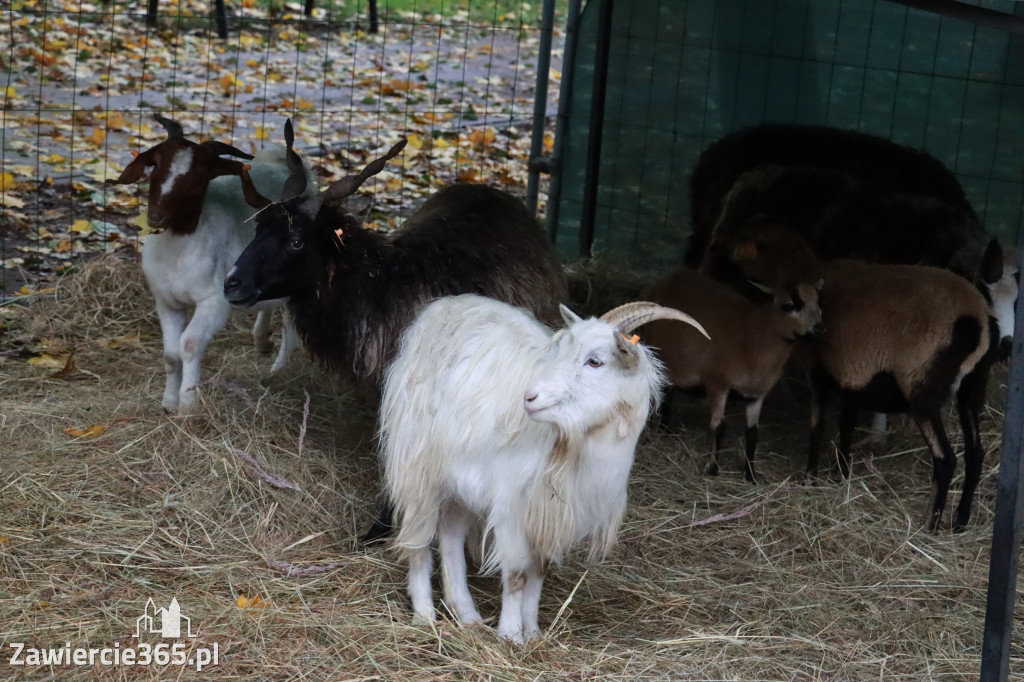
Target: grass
(713,579)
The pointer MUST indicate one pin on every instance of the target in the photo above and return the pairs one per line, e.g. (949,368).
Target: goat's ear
(135,170)
(568,316)
(626,352)
(991,270)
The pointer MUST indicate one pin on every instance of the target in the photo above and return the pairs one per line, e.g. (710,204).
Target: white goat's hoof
(423,620)
(469,618)
(515,636)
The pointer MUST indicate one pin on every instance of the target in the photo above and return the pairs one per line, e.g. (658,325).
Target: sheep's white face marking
(180,166)
(579,383)
(1004,299)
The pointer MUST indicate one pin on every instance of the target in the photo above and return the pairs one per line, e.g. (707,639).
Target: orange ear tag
(339,232)
(134,153)
(633,340)
(246,167)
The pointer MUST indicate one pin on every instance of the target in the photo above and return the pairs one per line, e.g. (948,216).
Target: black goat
(352,291)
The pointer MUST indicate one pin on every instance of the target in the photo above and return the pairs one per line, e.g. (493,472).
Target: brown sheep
(749,345)
(903,338)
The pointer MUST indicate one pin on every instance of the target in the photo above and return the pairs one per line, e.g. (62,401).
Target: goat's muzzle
(238,292)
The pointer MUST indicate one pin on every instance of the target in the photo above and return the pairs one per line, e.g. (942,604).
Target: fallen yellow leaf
(94,431)
(63,246)
(47,361)
(262,133)
(244,602)
(97,137)
(81,226)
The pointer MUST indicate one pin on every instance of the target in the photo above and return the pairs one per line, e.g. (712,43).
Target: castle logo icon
(170,620)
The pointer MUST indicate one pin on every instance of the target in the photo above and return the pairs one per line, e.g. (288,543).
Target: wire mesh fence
(80,82)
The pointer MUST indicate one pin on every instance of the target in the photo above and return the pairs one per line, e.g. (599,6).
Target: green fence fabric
(684,73)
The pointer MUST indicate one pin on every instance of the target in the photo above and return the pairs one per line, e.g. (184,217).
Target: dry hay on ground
(833,581)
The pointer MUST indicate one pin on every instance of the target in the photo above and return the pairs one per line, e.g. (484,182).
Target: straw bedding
(254,498)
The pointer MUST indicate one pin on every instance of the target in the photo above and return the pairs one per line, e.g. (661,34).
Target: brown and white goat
(904,338)
(199,205)
(749,345)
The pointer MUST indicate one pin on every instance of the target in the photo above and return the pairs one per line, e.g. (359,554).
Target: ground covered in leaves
(81,81)
(247,514)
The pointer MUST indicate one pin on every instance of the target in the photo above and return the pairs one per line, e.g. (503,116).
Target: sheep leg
(289,339)
(421,563)
(172,324)
(969,400)
(847,422)
(717,398)
(819,399)
(452,527)
(531,599)
(208,319)
(750,436)
(943,462)
(261,331)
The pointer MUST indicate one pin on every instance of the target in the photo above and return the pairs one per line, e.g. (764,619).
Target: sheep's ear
(135,170)
(745,252)
(991,270)
(568,316)
(626,352)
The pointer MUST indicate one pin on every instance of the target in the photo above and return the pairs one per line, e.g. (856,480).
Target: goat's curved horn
(629,316)
(222,149)
(173,128)
(296,182)
(762,288)
(350,183)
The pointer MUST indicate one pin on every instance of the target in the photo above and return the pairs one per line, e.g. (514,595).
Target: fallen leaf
(47,361)
(94,431)
(97,137)
(244,602)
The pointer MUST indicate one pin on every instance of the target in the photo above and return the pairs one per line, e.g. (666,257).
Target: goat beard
(550,518)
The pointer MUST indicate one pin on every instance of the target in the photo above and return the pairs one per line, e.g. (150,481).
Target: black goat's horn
(350,183)
(224,149)
(296,182)
(629,316)
(172,127)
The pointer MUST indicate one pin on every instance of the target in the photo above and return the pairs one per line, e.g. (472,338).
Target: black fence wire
(80,82)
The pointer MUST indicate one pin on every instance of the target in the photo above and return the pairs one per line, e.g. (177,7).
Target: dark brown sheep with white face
(844,159)
(904,338)
(749,345)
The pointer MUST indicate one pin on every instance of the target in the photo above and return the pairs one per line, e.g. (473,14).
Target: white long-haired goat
(199,203)
(488,417)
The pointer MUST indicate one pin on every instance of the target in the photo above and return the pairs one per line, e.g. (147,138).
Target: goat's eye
(788,307)
(594,362)
(296,244)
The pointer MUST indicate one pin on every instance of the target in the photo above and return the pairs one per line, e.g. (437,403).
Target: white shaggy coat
(487,417)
